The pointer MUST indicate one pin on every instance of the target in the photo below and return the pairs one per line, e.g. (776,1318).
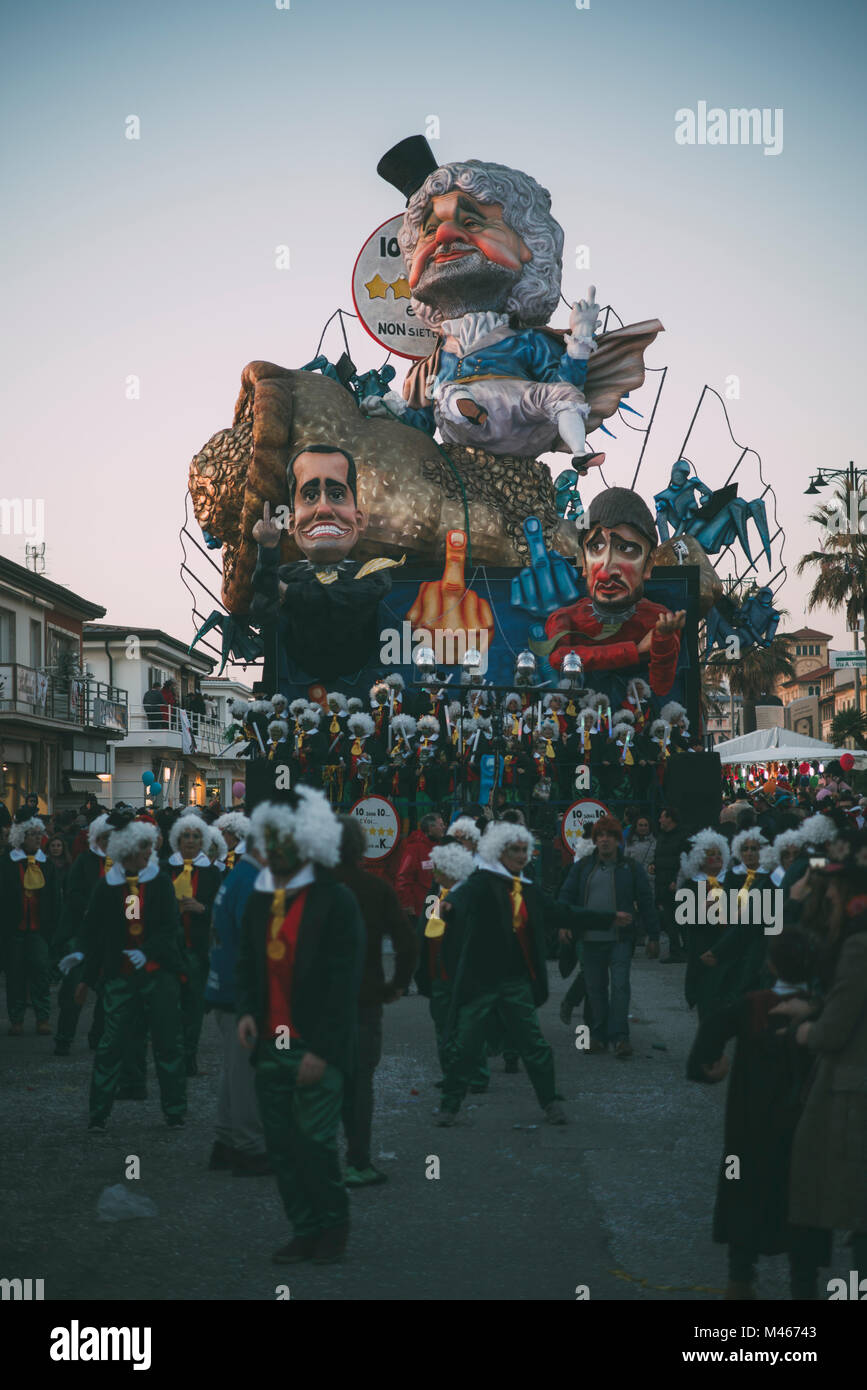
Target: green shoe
(364,1177)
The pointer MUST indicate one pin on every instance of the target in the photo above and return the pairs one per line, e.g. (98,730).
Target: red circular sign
(579,815)
(381,295)
(380,823)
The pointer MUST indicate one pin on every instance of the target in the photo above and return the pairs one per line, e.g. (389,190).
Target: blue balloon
(155,788)
(147,778)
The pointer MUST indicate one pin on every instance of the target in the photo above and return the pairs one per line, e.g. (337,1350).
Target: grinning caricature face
(326,520)
(467,257)
(617,560)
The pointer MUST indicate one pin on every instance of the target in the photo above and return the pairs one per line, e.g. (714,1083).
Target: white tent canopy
(777,745)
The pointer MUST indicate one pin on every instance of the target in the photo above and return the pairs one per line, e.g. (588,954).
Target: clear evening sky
(262,127)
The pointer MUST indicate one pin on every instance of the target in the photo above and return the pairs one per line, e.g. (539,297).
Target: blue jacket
(527,354)
(227,916)
(632,890)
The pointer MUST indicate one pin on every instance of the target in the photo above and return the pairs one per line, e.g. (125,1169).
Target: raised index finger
(456,554)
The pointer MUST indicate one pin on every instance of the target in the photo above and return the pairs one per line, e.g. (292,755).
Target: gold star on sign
(400,288)
(376,288)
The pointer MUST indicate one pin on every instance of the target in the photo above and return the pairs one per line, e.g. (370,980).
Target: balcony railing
(78,701)
(181,729)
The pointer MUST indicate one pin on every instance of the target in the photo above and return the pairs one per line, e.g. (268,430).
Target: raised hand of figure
(267,531)
(666,624)
(447,602)
(549,582)
(584,316)
(384,407)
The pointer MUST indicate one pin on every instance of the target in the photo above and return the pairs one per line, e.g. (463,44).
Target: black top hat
(407,164)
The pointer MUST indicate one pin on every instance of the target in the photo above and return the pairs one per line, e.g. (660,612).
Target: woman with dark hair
(57,851)
(828,1181)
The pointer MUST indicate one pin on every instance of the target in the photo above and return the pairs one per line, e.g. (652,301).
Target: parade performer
(196,884)
(452,864)
(29,909)
(742,950)
(615,628)
(706,918)
(132,947)
(234,827)
(298,974)
(86,872)
(364,754)
(334,744)
(494,951)
(305,759)
(239,1144)
(383,917)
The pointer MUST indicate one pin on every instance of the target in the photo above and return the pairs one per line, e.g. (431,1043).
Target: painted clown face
(617,560)
(326,521)
(467,257)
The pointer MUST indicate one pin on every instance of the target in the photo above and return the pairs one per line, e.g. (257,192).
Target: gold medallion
(135,929)
(326,576)
(276,950)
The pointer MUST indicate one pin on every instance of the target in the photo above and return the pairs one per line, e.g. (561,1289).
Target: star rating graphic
(377,288)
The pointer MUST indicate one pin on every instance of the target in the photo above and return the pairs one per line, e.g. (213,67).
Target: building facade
(178,729)
(58,722)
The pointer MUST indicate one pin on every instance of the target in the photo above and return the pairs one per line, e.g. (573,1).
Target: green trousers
(68,1012)
(513,1001)
(193,1004)
(28,966)
(300,1124)
(440,1003)
(130,1002)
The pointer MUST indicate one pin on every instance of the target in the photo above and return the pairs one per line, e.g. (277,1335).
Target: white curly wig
(428,725)
(582,848)
(297,706)
(139,834)
(816,830)
(673,711)
(235,822)
(692,863)
(354,704)
(403,726)
(97,827)
(183,823)
(465,825)
(499,836)
(20,829)
(752,836)
(311,826)
(278,730)
(360,725)
(770,855)
(336,701)
(454,861)
(214,839)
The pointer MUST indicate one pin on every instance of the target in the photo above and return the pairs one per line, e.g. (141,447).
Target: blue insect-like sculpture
(714,519)
(754,624)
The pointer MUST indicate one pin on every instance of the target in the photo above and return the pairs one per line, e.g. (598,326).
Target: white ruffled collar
(117,873)
(470,328)
(265,882)
(500,869)
(18,854)
(201,860)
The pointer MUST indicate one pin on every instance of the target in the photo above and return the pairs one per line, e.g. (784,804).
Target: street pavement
(619,1201)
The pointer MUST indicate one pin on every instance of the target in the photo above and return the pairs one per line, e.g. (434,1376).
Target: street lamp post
(852,477)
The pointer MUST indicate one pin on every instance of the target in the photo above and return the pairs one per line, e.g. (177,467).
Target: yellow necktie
(133,925)
(108,863)
(715,888)
(334,726)
(549,749)
(34,879)
(356,748)
(748,883)
(276,947)
(230,859)
(184,881)
(570,709)
(517,896)
(435,926)
(516,726)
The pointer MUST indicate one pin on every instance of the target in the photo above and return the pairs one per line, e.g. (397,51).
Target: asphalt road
(619,1201)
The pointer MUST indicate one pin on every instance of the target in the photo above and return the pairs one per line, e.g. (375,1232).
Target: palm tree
(850,723)
(842,579)
(757,670)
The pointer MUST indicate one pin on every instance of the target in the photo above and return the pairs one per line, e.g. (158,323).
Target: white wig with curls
(499,836)
(816,830)
(452,860)
(187,821)
(770,857)
(97,827)
(692,863)
(311,826)
(20,829)
(138,835)
(465,825)
(753,836)
(235,822)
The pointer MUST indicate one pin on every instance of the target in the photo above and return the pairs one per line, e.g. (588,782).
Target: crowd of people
(273,922)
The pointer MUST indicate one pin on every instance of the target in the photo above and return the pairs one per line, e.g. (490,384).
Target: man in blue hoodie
(240,1141)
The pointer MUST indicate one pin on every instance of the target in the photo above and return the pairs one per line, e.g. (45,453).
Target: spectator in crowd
(383,917)
(415,874)
(153,702)
(670,845)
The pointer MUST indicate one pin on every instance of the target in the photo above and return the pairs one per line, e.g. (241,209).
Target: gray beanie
(619,505)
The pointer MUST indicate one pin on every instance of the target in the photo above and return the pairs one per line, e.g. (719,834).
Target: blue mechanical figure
(754,624)
(714,519)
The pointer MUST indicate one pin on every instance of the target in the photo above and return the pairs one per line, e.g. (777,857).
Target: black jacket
(480,949)
(12,898)
(104,934)
(670,845)
(326,977)
(81,880)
